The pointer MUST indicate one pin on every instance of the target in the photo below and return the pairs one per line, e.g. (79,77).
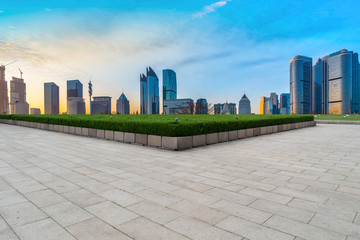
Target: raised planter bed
(165,142)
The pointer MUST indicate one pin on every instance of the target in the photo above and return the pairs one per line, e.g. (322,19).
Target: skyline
(219,49)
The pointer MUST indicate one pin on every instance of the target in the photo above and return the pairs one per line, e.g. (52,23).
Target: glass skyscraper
(51,98)
(169,84)
(149,93)
(244,105)
(4,99)
(285,103)
(75,101)
(101,105)
(300,85)
(275,103)
(201,106)
(317,75)
(74,88)
(122,105)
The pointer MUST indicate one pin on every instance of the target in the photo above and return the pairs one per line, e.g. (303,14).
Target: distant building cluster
(271,104)
(331,86)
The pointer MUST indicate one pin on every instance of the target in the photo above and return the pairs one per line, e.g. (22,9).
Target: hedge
(164,125)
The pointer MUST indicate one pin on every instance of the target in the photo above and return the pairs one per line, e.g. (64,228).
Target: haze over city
(219,49)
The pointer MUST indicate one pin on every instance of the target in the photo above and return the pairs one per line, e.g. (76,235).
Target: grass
(352,117)
(164,125)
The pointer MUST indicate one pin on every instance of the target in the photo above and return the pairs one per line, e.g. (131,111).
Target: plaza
(300,184)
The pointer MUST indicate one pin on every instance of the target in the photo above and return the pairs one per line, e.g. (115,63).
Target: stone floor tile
(231,196)
(111,213)
(279,198)
(158,197)
(46,229)
(22,213)
(45,198)
(67,213)
(154,212)
(300,194)
(144,229)
(127,186)
(11,197)
(28,186)
(160,186)
(95,229)
(83,198)
(195,196)
(198,230)
(61,186)
(195,186)
(120,197)
(251,230)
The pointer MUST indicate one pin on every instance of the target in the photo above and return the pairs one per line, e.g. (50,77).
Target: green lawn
(165,125)
(353,117)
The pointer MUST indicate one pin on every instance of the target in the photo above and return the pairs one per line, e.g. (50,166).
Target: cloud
(210,8)
(1,11)
(47,9)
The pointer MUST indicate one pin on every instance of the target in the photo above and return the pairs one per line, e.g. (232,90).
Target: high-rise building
(51,98)
(169,84)
(285,103)
(179,106)
(300,85)
(4,98)
(244,105)
(101,105)
(201,106)
(340,83)
(317,75)
(266,105)
(122,105)
(34,111)
(18,96)
(275,102)
(75,101)
(225,108)
(149,93)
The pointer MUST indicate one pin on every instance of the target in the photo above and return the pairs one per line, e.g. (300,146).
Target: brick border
(171,143)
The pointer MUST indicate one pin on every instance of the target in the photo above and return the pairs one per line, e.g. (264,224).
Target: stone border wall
(171,143)
(337,122)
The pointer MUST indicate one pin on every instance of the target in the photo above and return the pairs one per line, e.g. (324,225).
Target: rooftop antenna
(21,73)
(9,63)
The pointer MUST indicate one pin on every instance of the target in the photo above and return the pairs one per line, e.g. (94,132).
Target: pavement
(300,184)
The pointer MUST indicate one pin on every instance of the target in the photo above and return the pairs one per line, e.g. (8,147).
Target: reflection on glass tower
(51,98)
(149,93)
(317,86)
(169,84)
(300,85)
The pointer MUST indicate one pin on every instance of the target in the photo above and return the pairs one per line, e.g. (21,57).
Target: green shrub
(164,125)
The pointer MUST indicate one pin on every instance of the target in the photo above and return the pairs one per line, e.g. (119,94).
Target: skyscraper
(285,103)
(317,75)
(149,93)
(275,102)
(18,96)
(266,105)
(51,98)
(225,108)
(244,105)
(340,83)
(4,99)
(35,111)
(122,105)
(201,106)
(169,84)
(75,101)
(300,85)
(101,105)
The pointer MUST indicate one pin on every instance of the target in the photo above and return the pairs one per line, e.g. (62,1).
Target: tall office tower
(169,84)
(4,99)
(340,83)
(266,105)
(218,108)
(18,96)
(34,111)
(225,108)
(201,106)
(179,106)
(51,98)
(300,85)
(149,93)
(101,105)
(122,105)
(244,105)
(317,75)
(75,101)
(275,102)
(285,103)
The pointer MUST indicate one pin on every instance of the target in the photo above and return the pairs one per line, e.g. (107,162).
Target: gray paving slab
(301,184)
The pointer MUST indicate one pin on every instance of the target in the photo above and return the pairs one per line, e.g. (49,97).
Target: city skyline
(207,43)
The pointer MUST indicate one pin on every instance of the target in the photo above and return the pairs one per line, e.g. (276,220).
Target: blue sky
(219,49)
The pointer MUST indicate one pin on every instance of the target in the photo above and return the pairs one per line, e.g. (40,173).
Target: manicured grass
(165,125)
(353,117)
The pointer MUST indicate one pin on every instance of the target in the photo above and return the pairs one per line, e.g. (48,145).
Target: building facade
(35,111)
(75,100)
(301,85)
(244,105)
(122,105)
(225,108)
(101,105)
(169,84)
(179,106)
(4,98)
(149,93)
(285,103)
(317,75)
(51,98)
(275,103)
(18,96)
(202,106)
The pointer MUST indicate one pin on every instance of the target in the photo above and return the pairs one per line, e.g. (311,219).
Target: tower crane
(21,73)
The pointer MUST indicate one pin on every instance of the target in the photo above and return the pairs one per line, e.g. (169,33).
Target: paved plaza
(300,184)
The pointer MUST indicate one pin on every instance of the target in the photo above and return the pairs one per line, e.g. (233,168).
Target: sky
(219,49)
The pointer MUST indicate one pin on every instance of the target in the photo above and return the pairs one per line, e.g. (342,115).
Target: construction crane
(10,63)
(21,73)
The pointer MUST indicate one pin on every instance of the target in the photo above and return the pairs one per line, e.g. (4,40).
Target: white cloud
(47,9)
(210,8)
